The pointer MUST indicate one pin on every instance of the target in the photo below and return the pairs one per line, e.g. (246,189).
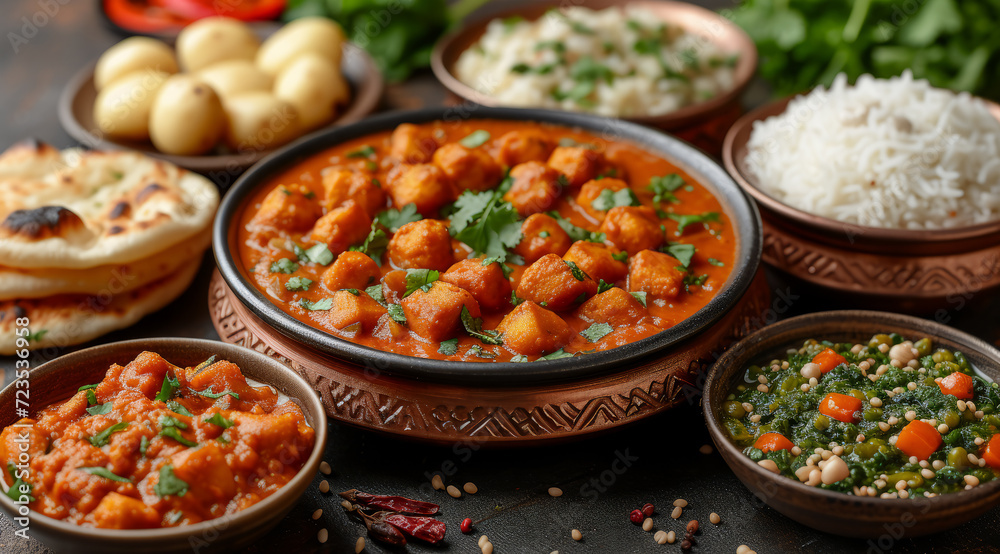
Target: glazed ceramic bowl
(736,205)
(60,378)
(703,123)
(901,269)
(829,511)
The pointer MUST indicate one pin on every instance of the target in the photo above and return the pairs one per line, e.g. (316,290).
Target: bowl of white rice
(888,188)
(665,64)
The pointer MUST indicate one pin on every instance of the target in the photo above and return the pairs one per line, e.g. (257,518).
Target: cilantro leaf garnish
(604,286)
(420,279)
(174,433)
(375,291)
(319,254)
(663,187)
(685,220)
(219,420)
(715,262)
(207,393)
(14,492)
(479,352)
(475,138)
(104,436)
(317,306)
(169,483)
(392,219)
(578,273)
(612,199)
(397,314)
(374,245)
(496,260)
(692,281)
(683,252)
(619,256)
(177,408)
(448,347)
(171,421)
(355,292)
(168,388)
(557,355)
(298,283)
(597,331)
(91,397)
(577,233)
(474,327)
(519,359)
(143,445)
(485,222)
(203,365)
(365,151)
(284,265)
(100,409)
(640,296)
(106,473)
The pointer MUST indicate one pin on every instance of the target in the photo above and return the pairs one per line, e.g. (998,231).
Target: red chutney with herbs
(487,240)
(155,445)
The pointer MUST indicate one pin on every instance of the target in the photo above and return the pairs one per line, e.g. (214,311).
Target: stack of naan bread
(91,241)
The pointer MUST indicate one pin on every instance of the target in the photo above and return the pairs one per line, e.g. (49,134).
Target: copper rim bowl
(915,269)
(59,379)
(695,19)
(740,210)
(830,511)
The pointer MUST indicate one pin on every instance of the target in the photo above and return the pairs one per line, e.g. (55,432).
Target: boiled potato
(187,117)
(258,121)
(308,34)
(215,39)
(314,85)
(122,108)
(234,77)
(131,55)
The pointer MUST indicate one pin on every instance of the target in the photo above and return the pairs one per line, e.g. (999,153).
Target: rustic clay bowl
(76,113)
(905,270)
(703,123)
(59,379)
(829,511)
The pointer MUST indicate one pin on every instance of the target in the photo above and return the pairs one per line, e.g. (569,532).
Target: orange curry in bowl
(154,445)
(486,240)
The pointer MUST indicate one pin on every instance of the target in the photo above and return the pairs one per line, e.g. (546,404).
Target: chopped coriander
(91,397)
(543,235)
(612,199)
(86,387)
(475,138)
(496,260)
(203,365)
(556,46)
(715,262)
(219,420)
(223,439)
(577,93)
(104,436)
(597,332)
(683,252)
(578,273)
(298,283)
(519,359)
(392,219)
(177,408)
(143,445)
(420,279)
(479,352)
(319,253)
(14,492)
(207,393)
(318,306)
(603,286)
(619,256)
(663,187)
(690,219)
(105,473)
(365,151)
(486,223)
(167,389)
(586,69)
(355,292)
(171,421)
(100,409)
(284,265)
(397,314)
(174,433)
(640,296)
(474,327)
(514,299)
(448,347)
(375,291)
(692,281)
(37,335)
(558,354)
(375,243)
(169,483)
(577,233)
(310,195)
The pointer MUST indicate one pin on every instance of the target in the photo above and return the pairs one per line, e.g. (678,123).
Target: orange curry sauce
(118,456)
(288,209)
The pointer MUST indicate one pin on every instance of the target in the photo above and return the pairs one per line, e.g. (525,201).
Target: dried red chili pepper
(382,531)
(391,503)
(424,528)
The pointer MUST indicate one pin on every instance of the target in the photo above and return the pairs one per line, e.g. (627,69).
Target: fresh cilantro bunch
(486,222)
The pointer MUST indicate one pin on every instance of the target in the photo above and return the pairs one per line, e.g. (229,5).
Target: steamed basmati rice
(891,153)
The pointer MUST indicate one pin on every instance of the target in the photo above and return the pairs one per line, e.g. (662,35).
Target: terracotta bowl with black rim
(703,123)
(829,511)
(76,114)
(59,379)
(445,400)
(899,269)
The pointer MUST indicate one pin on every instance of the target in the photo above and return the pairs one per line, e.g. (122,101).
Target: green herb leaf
(558,354)
(612,199)
(577,233)
(692,281)
(207,393)
(578,273)
(715,262)
(514,299)
(171,421)
(474,327)
(663,187)
(143,445)
(169,483)
(86,387)
(298,283)
(284,265)
(203,365)
(100,409)
(104,436)
(640,296)
(319,254)
(365,151)
(619,256)
(496,260)
(475,138)
(597,331)
(683,252)
(375,291)
(91,397)
(486,223)
(392,219)
(14,492)
(318,306)
(177,408)
(519,359)
(223,439)
(219,420)
(448,347)
(420,279)
(174,433)
(479,352)
(105,473)
(37,335)
(603,286)
(556,46)
(397,314)
(685,220)
(174,517)
(374,245)
(355,292)
(168,388)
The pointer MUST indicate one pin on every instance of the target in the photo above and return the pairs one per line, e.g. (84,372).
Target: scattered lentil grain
(677,512)
(454,492)
(470,488)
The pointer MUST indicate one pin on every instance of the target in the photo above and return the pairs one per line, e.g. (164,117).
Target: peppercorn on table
(575,497)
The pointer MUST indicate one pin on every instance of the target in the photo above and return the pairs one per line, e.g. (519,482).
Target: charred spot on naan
(43,223)
(149,190)
(120,209)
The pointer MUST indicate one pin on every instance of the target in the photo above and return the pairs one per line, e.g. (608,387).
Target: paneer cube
(423,185)
(342,185)
(205,471)
(577,163)
(597,260)
(532,330)
(536,188)
(436,314)
(351,270)
(655,273)
(411,144)
(342,227)
(354,313)
(633,228)
(518,147)
(541,235)
(555,284)
(615,306)
(486,283)
(394,286)
(117,511)
(468,168)
(288,207)
(592,189)
(424,244)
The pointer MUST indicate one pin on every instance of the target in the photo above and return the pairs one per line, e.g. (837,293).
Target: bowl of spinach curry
(861,423)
